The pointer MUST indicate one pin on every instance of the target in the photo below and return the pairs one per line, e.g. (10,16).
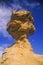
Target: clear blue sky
(36,7)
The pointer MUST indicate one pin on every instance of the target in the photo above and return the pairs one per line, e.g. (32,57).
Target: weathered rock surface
(20,27)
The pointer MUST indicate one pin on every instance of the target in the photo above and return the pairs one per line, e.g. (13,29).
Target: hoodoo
(20,27)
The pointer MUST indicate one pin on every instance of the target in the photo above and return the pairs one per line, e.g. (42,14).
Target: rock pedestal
(20,27)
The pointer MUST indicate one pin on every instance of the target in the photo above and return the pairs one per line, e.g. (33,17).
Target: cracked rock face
(20,27)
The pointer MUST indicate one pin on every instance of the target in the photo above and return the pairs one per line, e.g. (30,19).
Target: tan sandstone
(20,27)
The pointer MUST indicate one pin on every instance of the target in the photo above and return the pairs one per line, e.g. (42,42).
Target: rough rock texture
(20,27)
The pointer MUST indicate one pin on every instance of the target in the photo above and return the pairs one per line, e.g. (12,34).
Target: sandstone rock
(39,58)
(20,27)
(21,24)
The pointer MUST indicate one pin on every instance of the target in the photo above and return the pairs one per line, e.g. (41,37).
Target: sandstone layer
(20,27)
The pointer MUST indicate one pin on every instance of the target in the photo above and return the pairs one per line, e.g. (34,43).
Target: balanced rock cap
(21,24)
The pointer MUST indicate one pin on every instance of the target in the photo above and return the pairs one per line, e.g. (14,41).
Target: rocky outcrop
(20,27)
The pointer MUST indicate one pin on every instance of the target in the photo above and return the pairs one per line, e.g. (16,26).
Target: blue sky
(36,7)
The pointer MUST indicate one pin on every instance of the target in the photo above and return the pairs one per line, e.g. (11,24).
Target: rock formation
(20,27)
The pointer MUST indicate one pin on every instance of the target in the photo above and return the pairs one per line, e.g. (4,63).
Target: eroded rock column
(20,27)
